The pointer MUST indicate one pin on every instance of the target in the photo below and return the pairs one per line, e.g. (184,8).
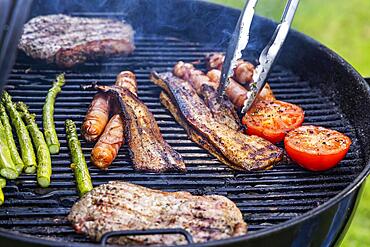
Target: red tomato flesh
(271,120)
(316,148)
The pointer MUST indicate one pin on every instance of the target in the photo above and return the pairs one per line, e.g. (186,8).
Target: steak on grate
(68,41)
(124,206)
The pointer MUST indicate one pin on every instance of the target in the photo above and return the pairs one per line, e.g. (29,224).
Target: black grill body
(286,206)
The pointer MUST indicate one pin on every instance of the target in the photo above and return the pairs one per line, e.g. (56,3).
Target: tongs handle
(270,52)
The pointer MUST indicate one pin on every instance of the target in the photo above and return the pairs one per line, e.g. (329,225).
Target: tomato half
(272,119)
(316,148)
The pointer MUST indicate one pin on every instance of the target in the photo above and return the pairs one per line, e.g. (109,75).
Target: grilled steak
(245,152)
(148,150)
(123,206)
(68,41)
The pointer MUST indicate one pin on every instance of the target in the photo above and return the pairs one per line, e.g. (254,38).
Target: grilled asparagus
(78,165)
(1,197)
(2,182)
(48,115)
(42,150)
(2,185)
(28,154)
(7,167)
(17,160)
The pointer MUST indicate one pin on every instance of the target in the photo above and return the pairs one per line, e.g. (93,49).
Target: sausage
(106,149)
(196,77)
(237,93)
(127,79)
(243,71)
(97,117)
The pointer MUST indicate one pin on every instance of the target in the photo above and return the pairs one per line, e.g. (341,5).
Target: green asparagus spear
(7,167)
(1,197)
(28,154)
(17,160)
(42,150)
(2,185)
(2,182)
(79,166)
(48,115)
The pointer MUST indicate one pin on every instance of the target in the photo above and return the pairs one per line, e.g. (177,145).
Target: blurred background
(343,26)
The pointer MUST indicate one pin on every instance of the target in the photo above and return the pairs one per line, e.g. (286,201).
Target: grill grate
(265,198)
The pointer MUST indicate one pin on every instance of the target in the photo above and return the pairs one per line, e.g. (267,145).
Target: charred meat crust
(246,152)
(197,138)
(68,41)
(68,58)
(222,109)
(124,206)
(148,150)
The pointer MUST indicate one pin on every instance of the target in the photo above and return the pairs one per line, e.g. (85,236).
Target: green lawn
(343,26)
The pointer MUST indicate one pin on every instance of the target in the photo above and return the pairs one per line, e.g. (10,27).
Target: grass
(344,27)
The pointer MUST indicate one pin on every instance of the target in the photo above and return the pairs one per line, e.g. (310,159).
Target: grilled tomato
(316,148)
(272,119)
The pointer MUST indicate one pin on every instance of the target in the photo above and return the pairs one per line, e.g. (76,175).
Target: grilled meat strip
(198,139)
(245,152)
(123,206)
(68,41)
(148,150)
(222,109)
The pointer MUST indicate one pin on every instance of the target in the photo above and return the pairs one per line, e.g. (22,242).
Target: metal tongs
(239,42)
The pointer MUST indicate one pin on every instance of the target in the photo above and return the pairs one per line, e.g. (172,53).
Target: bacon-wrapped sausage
(236,92)
(127,79)
(97,117)
(196,77)
(106,149)
(215,60)
(243,72)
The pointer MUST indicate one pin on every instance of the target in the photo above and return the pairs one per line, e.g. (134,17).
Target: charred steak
(68,41)
(124,206)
